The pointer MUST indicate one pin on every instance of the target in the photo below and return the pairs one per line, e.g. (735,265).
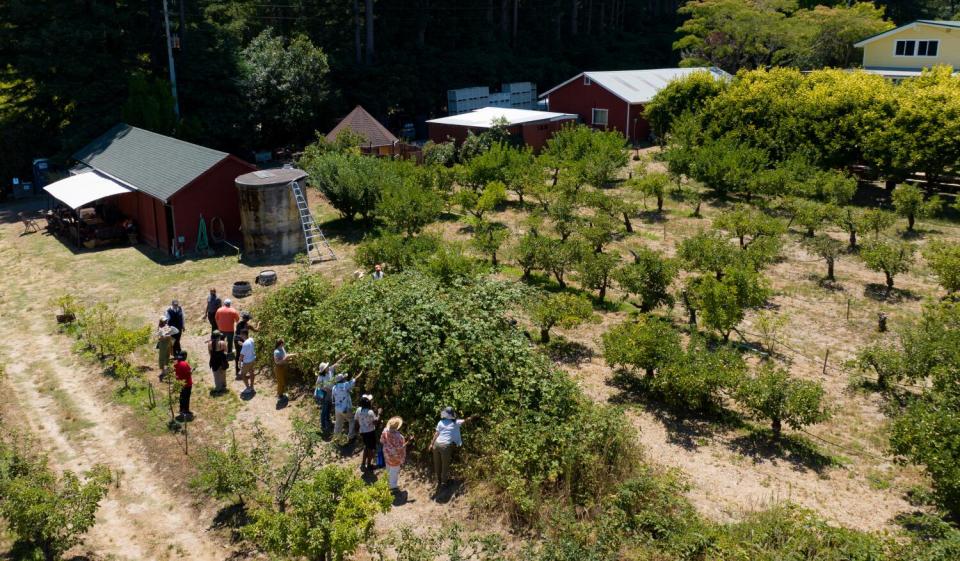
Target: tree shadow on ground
(653,216)
(880,293)
(568,352)
(231,517)
(799,452)
(346,231)
(687,429)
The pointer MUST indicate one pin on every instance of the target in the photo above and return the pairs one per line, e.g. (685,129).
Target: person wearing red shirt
(185,375)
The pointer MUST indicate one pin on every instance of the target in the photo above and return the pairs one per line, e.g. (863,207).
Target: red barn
(163,184)
(533,127)
(614,100)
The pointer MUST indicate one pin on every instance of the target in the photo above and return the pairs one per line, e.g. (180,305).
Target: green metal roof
(155,164)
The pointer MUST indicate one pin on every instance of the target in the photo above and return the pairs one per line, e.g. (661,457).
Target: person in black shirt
(174,317)
(213,304)
(242,332)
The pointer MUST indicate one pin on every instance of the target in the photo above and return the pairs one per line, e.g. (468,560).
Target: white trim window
(910,47)
(599,117)
(586,80)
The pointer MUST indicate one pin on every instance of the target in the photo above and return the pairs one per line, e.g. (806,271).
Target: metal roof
(363,123)
(484,117)
(155,164)
(638,86)
(911,25)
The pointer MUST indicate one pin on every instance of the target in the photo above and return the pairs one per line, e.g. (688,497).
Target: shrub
(944,259)
(773,395)
(439,153)
(329,515)
(648,277)
(228,473)
(450,264)
(909,203)
(351,182)
(560,309)
(46,512)
(408,206)
(889,257)
(646,344)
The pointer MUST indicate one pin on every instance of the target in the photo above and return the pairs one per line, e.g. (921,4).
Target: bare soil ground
(75,412)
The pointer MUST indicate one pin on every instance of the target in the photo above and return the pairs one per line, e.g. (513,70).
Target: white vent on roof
(263,174)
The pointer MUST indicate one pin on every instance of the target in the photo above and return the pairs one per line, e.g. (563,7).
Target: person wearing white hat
(445,438)
(323,393)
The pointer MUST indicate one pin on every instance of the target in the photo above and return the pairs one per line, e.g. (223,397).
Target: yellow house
(906,50)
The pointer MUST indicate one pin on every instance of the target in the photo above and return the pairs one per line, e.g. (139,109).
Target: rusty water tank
(269,218)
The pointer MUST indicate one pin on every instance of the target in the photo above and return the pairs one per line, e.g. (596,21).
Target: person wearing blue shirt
(446,437)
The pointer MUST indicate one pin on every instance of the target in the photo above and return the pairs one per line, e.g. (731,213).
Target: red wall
(212,194)
(149,215)
(575,97)
(536,135)
(439,132)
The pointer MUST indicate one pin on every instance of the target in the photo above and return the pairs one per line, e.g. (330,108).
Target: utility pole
(173,73)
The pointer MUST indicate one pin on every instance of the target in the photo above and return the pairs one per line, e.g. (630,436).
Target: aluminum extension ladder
(311,233)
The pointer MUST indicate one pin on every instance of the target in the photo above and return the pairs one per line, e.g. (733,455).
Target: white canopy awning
(84,188)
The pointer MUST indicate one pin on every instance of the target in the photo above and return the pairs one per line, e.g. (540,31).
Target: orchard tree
(827,248)
(653,184)
(596,272)
(228,473)
(810,214)
(352,183)
(707,251)
(697,378)
(687,94)
(889,257)
(646,344)
(524,172)
(773,395)
(559,310)
(850,220)
(329,515)
(723,303)
(615,207)
(559,257)
(727,165)
(648,277)
(748,224)
(527,251)
(46,511)
(876,221)
(488,237)
(909,203)
(479,202)
(407,206)
(944,259)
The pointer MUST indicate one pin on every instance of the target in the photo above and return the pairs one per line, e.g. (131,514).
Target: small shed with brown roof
(378,140)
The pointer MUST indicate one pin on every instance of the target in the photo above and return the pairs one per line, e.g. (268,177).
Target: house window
(586,80)
(600,117)
(916,48)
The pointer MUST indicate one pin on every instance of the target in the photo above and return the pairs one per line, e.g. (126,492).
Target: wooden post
(825,357)
(882,322)
(848,309)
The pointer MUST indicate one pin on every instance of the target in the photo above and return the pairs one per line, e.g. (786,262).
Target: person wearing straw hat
(394,451)
(445,438)
(165,335)
(366,419)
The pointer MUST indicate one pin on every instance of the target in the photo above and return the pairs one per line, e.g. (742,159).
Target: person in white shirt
(343,405)
(323,393)
(445,438)
(366,420)
(248,355)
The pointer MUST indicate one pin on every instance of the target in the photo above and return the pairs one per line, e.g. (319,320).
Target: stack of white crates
(516,95)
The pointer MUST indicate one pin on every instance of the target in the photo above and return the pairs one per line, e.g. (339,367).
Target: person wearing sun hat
(394,451)
(445,438)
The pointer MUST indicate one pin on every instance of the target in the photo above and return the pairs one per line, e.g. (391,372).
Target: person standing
(445,438)
(185,375)
(175,320)
(218,361)
(164,343)
(366,419)
(248,355)
(377,271)
(213,304)
(227,318)
(323,393)
(394,451)
(280,365)
(343,405)
(242,332)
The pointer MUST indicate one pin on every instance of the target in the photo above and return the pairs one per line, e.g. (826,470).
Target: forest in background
(254,74)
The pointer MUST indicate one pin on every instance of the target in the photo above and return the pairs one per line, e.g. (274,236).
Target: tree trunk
(889,281)
(626,222)
(776,427)
(574,14)
(368,16)
(659,204)
(910,220)
(649,372)
(358,57)
(603,292)
(696,210)
(719,275)
(424,9)
(810,232)
(853,239)
(830,269)
(743,244)
(544,335)
(493,258)
(182,30)
(526,273)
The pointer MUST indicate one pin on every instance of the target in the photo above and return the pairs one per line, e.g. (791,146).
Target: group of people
(232,342)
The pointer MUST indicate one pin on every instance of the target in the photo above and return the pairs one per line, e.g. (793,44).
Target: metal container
(269,218)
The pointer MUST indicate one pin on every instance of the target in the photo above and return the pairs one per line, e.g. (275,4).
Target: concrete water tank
(269,218)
